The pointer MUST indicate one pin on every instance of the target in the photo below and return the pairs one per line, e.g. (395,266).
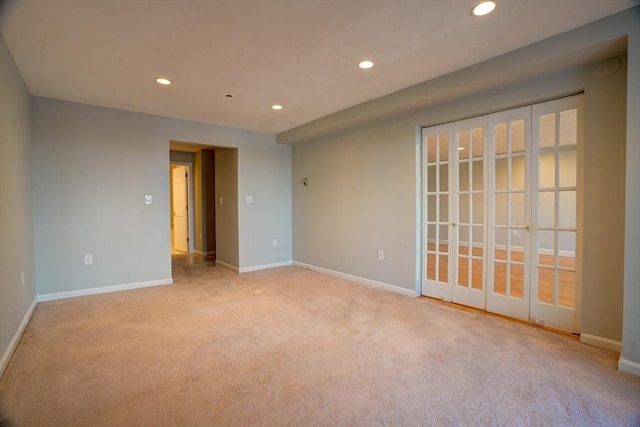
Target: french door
(500,203)
(509,213)
(469,209)
(557,223)
(455,207)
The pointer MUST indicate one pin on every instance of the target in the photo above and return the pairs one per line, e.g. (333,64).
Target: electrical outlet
(88,259)
(380,255)
(275,242)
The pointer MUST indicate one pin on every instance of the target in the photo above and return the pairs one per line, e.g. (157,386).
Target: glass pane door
(556,135)
(508,279)
(436,207)
(469,206)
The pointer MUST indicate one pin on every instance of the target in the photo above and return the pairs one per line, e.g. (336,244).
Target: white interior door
(437,206)
(180,210)
(501,203)
(509,213)
(469,212)
(556,227)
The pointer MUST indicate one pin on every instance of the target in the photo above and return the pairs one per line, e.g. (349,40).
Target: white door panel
(469,211)
(180,210)
(509,212)
(437,206)
(556,225)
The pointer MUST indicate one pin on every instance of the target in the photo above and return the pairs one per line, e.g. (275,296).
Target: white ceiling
(302,54)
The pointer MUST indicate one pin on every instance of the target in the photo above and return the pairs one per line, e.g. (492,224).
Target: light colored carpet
(289,346)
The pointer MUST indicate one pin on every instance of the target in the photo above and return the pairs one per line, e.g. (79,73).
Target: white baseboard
(103,290)
(601,342)
(265,266)
(16,337)
(227,266)
(361,280)
(626,365)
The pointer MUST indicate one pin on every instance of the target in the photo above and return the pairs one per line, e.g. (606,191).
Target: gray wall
(197,201)
(362,176)
(181,156)
(264,171)
(92,168)
(630,358)
(227,212)
(16,212)
(604,199)
(360,198)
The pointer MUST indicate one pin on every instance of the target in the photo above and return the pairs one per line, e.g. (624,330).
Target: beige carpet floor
(292,347)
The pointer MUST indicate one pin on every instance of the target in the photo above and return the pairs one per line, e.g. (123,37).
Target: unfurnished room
(310,212)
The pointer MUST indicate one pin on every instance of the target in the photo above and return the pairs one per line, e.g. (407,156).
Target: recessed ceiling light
(163,81)
(365,64)
(483,8)
(277,107)
(460,148)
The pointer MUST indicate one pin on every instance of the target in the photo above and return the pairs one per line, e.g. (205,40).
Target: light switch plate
(148,199)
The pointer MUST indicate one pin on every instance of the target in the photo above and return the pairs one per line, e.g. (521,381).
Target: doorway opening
(213,202)
(180,202)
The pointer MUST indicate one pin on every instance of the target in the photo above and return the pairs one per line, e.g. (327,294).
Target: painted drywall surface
(264,172)
(208,201)
(16,211)
(604,181)
(82,206)
(631,312)
(341,246)
(92,170)
(197,200)
(181,157)
(360,198)
(227,206)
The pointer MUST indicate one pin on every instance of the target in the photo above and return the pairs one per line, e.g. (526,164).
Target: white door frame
(190,193)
